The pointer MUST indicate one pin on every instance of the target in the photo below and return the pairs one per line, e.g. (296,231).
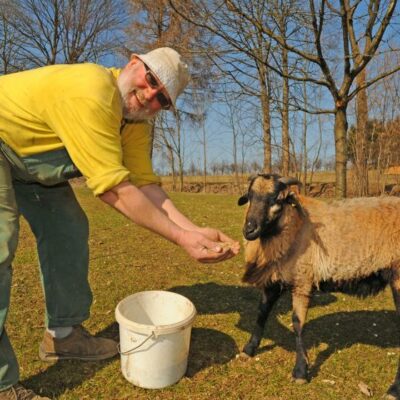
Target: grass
(348,340)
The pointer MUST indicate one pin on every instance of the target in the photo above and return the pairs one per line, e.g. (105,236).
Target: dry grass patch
(349,340)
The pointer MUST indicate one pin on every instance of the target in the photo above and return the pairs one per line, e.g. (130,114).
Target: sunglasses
(154,83)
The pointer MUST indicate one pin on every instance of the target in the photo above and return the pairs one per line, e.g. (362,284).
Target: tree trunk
(171,159)
(204,156)
(285,117)
(305,154)
(180,164)
(361,156)
(341,151)
(179,149)
(235,159)
(266,119)
(172,163)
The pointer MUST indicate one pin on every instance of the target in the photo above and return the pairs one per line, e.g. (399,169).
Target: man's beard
(127,91)
(135,115)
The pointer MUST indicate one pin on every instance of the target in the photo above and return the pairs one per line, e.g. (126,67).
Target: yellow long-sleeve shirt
(77,107)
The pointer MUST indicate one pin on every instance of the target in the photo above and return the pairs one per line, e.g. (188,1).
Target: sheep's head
(266,196)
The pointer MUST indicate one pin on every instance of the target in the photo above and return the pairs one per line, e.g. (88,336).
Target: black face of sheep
(266,196)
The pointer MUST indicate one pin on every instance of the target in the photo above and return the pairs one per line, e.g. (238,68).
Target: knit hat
(170,69)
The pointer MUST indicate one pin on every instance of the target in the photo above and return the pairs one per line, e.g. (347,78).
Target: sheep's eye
(275,208)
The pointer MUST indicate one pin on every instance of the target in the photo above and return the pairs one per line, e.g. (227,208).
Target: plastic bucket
(154,329)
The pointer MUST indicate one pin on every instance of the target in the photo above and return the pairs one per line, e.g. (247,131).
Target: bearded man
(63,121)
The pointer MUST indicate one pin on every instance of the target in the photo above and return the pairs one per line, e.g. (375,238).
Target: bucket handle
(126,353)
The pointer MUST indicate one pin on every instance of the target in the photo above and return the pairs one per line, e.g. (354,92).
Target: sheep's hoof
(243,356)
(390,397)
(300,374)
(249,349)
(393,393)
(300,381)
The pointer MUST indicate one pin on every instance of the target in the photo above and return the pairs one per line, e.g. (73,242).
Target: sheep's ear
(283,194)
(282,190)
(295,202)
(289,181)
(243,200)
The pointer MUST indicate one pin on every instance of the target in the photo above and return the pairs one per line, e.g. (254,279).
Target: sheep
(302,244)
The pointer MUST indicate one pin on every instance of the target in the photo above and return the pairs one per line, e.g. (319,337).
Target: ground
(349,340)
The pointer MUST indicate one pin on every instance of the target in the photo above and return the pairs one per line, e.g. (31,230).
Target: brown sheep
(300,243)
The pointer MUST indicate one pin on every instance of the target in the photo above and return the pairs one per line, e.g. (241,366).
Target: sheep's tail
(361,287)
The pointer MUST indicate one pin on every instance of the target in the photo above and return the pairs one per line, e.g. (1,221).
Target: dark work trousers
(61,230)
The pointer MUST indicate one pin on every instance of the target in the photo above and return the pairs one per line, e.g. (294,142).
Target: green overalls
(37,187)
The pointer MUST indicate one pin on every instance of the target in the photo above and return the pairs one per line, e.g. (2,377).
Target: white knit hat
(170,69)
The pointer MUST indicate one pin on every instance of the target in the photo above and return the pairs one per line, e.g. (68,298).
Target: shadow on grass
(336,331)
(67,374)
(208,347)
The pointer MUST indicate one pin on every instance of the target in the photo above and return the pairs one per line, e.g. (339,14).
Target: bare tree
(241,52)
(327,50)
(64,31)
(382,138)
(162,142)
(198,120)
(281,17)
(156,25)
(91,29)
(353,27)
(170,137)
(10,40)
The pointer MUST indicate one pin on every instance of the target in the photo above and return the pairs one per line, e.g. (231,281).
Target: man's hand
(208,245)
(151,208)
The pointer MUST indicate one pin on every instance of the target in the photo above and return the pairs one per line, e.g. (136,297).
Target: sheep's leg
(268,298)
(394,390)
(300,307)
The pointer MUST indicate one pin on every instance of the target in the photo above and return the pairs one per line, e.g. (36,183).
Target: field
(349,340)
(321,183)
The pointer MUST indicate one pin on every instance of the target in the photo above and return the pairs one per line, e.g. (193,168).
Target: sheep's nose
(251,230)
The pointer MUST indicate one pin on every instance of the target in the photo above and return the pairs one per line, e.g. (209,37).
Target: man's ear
(243,200)
(134,59)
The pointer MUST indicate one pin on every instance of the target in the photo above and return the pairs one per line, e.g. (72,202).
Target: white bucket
(154,330)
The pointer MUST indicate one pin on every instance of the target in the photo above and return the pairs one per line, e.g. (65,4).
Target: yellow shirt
(77,107)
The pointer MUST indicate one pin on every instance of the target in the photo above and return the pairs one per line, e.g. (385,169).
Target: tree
(63,31)
(241,52)
(332,26)
(281,15)
(155,25)
(354,26)
(10,40)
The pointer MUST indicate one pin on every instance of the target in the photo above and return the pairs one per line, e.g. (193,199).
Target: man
(61,121)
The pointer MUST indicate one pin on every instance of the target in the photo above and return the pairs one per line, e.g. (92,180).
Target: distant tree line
(224,168)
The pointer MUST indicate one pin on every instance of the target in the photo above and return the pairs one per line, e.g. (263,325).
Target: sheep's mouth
(253,231)
(252,235)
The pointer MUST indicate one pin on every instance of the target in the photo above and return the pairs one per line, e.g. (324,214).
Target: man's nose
(150,93)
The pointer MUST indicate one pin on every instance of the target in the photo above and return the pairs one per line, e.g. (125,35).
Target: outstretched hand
(208,245)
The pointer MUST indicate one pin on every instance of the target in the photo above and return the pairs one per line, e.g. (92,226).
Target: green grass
(348,340)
